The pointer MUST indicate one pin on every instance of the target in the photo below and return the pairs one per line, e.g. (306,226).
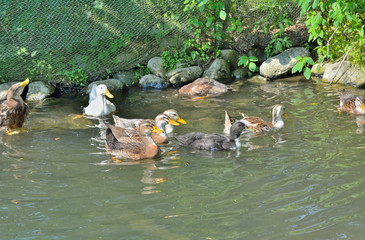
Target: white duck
(98,104)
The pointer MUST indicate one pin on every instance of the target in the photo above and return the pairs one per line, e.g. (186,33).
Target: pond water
(305,181)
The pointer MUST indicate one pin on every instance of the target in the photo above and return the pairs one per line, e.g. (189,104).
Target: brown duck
(14,111)
(132,148)
(351,104)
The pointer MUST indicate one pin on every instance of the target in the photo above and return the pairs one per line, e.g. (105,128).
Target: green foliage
(250,62)
(142,70)
(76,76)
(173,56)
(337,27)
(303,64)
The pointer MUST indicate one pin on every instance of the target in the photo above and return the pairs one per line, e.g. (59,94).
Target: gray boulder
(347,74)
(4,90)
(129,78)
(240,73)
(282,64)
(39,90)
(231,56)
(155,65)
(153,81)
(181,76)
(112,84)
(219,70)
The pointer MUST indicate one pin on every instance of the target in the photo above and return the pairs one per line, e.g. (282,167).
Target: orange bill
(172,122)
(180,120)
(284,115)
(108,94)
(363,106)
(156,130)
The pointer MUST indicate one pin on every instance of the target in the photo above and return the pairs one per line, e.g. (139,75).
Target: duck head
(102,90)
(172,113)
(236,129)
(277,114)
(359,102)
(162,120)
(147,128)
(17,89)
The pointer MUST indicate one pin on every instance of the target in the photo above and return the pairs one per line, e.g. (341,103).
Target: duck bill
(363,106)
(25,82)
(156,130)
(180,120)
(172,122)
(108,94)
(286,116)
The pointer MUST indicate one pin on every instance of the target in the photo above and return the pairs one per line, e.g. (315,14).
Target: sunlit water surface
(305,181)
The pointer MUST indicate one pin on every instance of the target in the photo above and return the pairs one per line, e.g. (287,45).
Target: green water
(305,181)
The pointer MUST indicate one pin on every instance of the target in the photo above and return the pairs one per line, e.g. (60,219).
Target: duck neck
(162,125)
(13,101)
(277,121)
(151,149)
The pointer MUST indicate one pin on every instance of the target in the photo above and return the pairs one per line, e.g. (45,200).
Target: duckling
(259,125)
(13,111)
(204,87)
(214,141)
(161,121)
(133,149)
(351,103)
(98,105)
(134,123)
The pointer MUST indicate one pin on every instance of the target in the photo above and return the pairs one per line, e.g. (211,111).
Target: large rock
(231,56)
(129,78)
(282,64)
(204,87)
(181,76)
(153,81)
(219,70)
(155,65)
(347,74)
(4,90)
(240,73)
(112,84)
(39,90)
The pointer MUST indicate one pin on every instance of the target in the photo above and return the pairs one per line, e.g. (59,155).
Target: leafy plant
(76,76)
(173,56)
(337,27)
(249,61)
(142,70)
(303,64)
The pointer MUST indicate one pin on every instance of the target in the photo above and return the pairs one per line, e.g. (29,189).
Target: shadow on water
(304,181)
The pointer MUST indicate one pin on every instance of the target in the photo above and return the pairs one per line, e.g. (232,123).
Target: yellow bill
(172,122)
(284,115)
(180,120)
(156,130)
(25,82)
(108,94)
(363,106)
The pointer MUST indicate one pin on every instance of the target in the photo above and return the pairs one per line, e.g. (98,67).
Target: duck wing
(92,94)
(200,140)
(256,123)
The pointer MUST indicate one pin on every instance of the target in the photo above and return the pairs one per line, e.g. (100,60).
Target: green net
(48,39)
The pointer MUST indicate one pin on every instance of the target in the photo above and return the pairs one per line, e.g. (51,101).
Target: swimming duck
(134,123)
(13,111)
(204,87)
(214,141)
(130,148)
(161,121)
(351,103)
(98,104)
(259,125)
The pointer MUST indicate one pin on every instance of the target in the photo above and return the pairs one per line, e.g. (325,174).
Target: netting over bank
(43,39)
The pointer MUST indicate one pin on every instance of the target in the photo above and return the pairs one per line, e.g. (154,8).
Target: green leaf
(253,58)
(309,60)
(252,67)
(315,4)
(209,21)
(298,67)
(307,73)
(222,15)
(196,23)
(202,3)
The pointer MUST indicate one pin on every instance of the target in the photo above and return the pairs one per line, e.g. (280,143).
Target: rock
(128,78)
(282,63)
(219,70)
(155,65)
(240,73)
(317,69)
(39,90)
(153,81)
(112,84)
(4,90)
(231,56)
(203,87)
(348,74)
(259,53)
(184,75)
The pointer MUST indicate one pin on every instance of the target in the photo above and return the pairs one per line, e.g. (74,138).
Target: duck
(257,124)
(351,104)
(14,111)
(134,123)
(98,105)
(161,121)
(215,141)
(204,87)
(131,148)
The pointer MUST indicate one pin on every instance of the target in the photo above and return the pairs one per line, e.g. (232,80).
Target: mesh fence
(43,39)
